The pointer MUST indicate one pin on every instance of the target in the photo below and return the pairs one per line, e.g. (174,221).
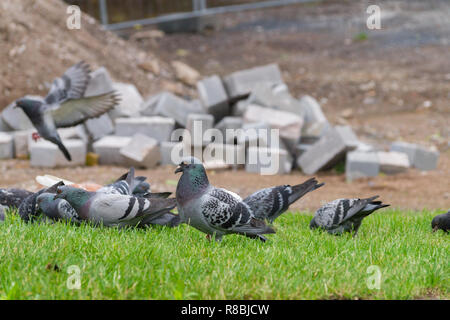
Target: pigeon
(128,184)
(344,215)
(56,209)
(442,222)
(28,208)
(270,203)
(113,209)
(13,197)
(214,211)
(65,105)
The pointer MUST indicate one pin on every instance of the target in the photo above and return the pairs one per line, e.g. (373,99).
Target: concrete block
(6,146)
(393,162)
(159,128)
(361,164)
(46,154)
(229,154)
(289,124)
(21,143)
(99,127)
(239,84)
(329,150)
(108,148)
(4,127)
(171,106)
(267,161)
(315,121)
(141,152)
(100,83)
(419,156)
(149,104)
(15,118)
(166,149)
(231,124)
(214,97)
(197,125)
(130,101)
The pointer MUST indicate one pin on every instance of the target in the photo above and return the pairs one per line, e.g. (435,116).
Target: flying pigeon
(214,211)
(113,209)
(13,197)
(65,105)
(128,184)
(56,209)
(344,215)
(442,222)
(270,203)
(28,208)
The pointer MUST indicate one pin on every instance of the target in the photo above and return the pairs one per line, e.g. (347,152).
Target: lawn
(162,263)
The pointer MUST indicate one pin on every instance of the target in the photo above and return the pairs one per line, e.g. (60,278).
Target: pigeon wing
(74,112)
(71,85)
(269,202)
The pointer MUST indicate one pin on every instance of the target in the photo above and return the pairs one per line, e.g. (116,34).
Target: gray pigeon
(344,215)
(28,209)
(128,184)
(214,211)
(65,105)
(270,203)
(113,209)
(13,197)
(56,209)
(442,222)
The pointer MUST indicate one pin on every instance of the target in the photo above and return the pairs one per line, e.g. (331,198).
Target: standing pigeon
(442,222)
(56,209)
(65,105)
(214,211)
(344,215)
(128,184)
(29,208)
(13,197)
(113,209)
(270,203)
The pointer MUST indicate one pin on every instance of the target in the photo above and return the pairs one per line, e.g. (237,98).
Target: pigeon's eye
(58,191)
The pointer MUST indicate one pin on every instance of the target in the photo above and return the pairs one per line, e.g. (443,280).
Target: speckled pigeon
(270,203)
(56,209)
(344,215)
(13,197)
(214,211)
(65,105)
(28,208)
(128,184)
(441,222)
(113,209)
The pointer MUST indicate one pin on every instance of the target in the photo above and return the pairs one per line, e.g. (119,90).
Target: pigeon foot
(35,136)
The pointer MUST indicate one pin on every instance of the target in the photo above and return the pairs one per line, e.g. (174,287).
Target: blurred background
(391,84)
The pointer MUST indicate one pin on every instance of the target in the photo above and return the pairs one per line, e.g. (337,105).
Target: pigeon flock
(215,211)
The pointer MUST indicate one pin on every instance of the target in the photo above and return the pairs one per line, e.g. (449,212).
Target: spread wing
(74,112)
(71,85)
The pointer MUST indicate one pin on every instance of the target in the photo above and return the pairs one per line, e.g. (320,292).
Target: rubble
(47,155)
(108,149)
(141,152)
(214,97)
(130,101)
(361,164)
(393,162)
(419,156)
(159,128)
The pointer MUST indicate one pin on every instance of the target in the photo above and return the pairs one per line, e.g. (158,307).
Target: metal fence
(167,11)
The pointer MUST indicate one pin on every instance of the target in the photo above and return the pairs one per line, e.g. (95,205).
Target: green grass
(162,263)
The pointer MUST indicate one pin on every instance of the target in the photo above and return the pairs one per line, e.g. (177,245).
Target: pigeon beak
(179,169)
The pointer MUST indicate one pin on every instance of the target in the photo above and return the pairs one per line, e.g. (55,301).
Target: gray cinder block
(149,105)
(99,127)
(46,154)
(6,146)
(315,121)
(393,162)
(108,149)
(214,97)
(166,149)
(197,124)
(141,152)
(130,101)
(159,128)
(241,83)
(231,124)
(15,118)
(268,161)
(361,164)
(100,83)
(329,150)
(230,154)
(171,106)
(419,156)
(21,143)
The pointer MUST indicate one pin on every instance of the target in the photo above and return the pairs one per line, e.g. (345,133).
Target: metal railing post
(199,5)
(103,12)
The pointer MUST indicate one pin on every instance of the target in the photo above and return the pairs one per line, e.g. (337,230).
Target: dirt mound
(36,46)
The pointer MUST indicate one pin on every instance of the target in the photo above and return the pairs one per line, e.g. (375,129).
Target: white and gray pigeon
(214,211)
(441,222)
(344,215)
(65,105)
(113,209)
(56,209)
(13,197)
(270,203)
